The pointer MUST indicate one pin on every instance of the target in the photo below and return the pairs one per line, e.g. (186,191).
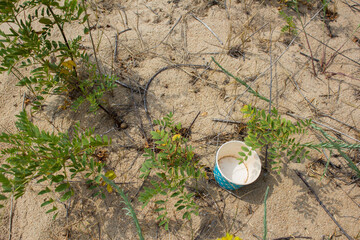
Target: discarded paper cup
(229,173)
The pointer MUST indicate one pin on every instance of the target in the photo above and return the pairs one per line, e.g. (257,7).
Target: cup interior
(229,167)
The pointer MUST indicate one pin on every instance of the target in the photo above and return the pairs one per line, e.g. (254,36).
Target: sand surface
(249,43)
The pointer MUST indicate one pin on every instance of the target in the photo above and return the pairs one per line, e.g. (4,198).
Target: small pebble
(123,125)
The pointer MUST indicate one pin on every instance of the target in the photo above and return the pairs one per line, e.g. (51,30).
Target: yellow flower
(229,237)
(177,136)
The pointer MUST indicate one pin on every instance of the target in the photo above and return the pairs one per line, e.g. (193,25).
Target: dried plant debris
(236,52)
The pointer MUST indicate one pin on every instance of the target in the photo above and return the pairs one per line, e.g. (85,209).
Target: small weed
(54,64)
(290,27)
(51,159)
(275,132)
(172,160)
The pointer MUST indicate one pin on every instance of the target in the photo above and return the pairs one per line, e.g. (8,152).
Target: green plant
(129,208)
(252,91)
(334,144)
(290,26)
(93,86)
(244,154)
(265,213)
(271,130)
(172,160)
(49,158)
(54,64)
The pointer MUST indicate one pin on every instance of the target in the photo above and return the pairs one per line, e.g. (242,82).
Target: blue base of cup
(223,182)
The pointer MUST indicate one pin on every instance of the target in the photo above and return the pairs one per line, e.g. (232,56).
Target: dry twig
(358,63)
(213,33)
(226,121)
(322,204)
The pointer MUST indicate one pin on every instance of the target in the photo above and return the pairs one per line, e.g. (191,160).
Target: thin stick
(227,10)
(138,191)
(307,41)
(117,119)
(307,100)
(351,127)
(237,196)
(192,123)
(292,237)
(352,7)
(358,63)
(61,30)
(157,73)
(322,204)
(333,129)
(256,32)
(116,47)
(67,207)
(92,40)
(337,51)
(123,31)
(312,58)
(141,127)
(270,101)
(99,227)
(172,29)
(259,238)
(141,90)
(11,217)
(226,121)
(330,74)
(213,33)
(23,103)
(151,9)
(279,57)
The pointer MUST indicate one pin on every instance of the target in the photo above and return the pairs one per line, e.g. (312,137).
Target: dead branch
(322,204)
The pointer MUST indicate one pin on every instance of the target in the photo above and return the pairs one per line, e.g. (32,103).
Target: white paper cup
(229,173)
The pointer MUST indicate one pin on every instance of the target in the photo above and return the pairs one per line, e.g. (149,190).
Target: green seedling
(290,27)
(277,133)
(172,161)
(244,154)
(52,159)
(53,64)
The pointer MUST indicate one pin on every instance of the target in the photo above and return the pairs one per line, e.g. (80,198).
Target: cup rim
(217,164)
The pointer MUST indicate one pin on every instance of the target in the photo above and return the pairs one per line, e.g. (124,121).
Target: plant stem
(249,89)
(127,203)
(61,30)
(307,41)
(91,38)
(11,216)
(265,222)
